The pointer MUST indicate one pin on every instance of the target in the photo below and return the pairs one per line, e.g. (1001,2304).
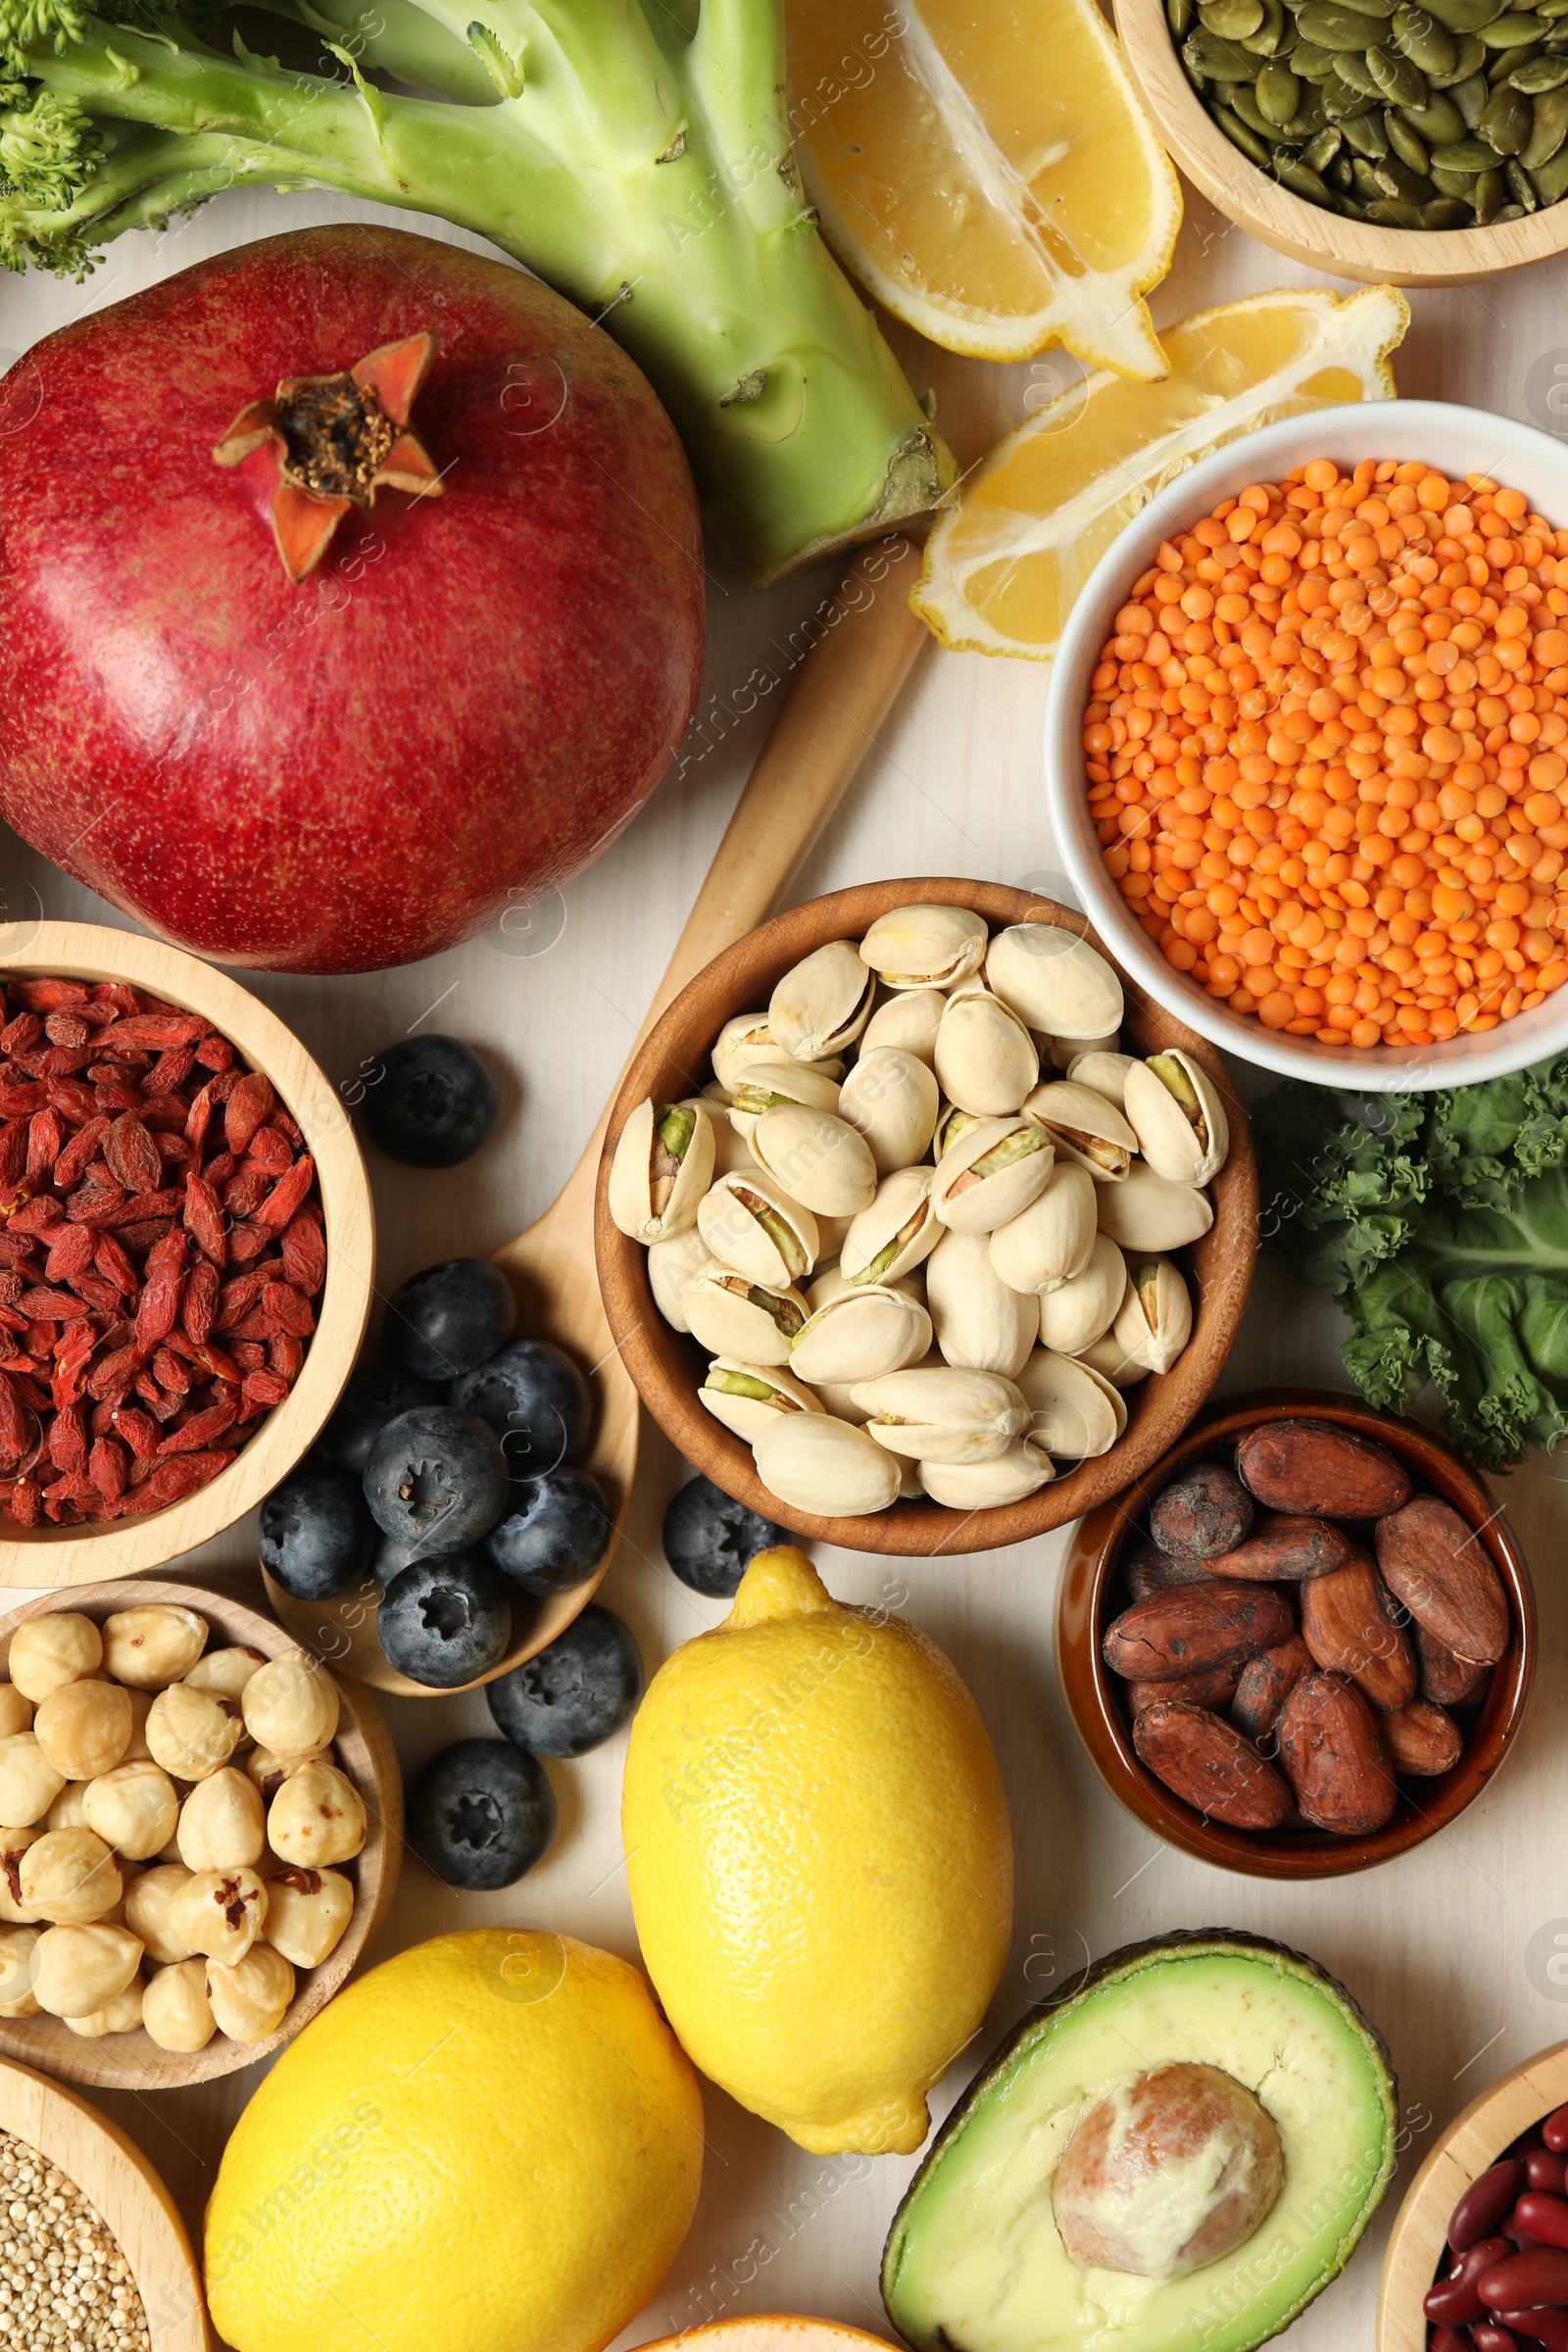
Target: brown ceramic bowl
(668,1367)
(1091,1593)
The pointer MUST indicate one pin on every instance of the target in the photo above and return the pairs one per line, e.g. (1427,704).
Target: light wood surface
(1440,1947)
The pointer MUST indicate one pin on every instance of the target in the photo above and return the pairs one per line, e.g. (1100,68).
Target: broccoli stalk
(642,166)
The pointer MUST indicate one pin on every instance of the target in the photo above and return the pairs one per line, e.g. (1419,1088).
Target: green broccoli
(639,160)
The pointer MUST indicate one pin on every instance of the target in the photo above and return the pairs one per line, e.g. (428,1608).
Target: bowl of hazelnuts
(202,1829)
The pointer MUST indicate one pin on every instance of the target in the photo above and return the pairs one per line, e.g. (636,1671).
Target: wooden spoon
(844,690)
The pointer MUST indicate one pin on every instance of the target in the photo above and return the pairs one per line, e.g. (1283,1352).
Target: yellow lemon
(820,1858)
(491,2143)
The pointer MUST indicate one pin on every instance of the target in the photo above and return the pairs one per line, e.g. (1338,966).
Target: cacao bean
(1346,1623)
(1286,1551)
(1266,1683)
(1203,1512)
(1194,1628)
(1215,1690)
(1440,1567)
(1421,1739)
(1446,1680)
(1328,1473)
(1211,1766)
(1149,1570)
(1333,1757)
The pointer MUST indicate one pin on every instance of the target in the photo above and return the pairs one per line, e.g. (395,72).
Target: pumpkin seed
(1367,137)
(1309,63)
(1465,155)
(1513,33)
(1218,60)
(1548,130)
(1470,59)
(1551,8)
(1470,97)
(1538,75)
(1230,19)
(1303,180)
(1389,212)
(1506,212)
(1396,78)
(1446,212)
(1274,32)
(1338,177)
(1551,180)
(1342,104)
(1250,145)
(1556,38)
(1521,187)
(1279,95)
(1488,195)
(1452,183)
(1439,120)
(1353,69)
(1406,146)
(1424,41)
(1379,10)
(1242,102)
(1324,148)
(1508,119)
(1464,16)
(1334,26)
(1179,17)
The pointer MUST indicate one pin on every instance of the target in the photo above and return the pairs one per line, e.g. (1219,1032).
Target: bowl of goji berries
(187,1253)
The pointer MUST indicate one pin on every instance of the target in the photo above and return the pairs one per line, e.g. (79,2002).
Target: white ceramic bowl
(1461,441)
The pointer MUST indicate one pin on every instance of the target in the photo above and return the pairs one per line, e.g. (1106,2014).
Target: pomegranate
(351,587)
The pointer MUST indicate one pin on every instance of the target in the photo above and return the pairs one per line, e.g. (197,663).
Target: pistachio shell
(731,1151)
(751,1223)
(832,1284)
(823,1004)
(1107,1356)
(908,1020)
(825,1466)
(985,1056)
(1077,1412)
(891,1097)
(1086,1127)
(1065,1051)
(1073,1317)
(750,1398)
(733,1317)
(776,1078)
(980,1324)
(819,1159)
(746,1039)
(943,1414)
(990,1173)
(1007,1476)
(1106,1072)
(866,1330)
(1175,1107)
(1150,1213)
(897,1233)
(1049,1243)
(670,1267)
(1156,1320)
(1055,981)
(663,1167)
(925,947)
(951,1124)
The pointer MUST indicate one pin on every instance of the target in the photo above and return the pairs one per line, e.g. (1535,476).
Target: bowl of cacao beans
(1303,1642)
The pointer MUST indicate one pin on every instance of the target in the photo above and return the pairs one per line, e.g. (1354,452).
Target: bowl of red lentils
(1306,746)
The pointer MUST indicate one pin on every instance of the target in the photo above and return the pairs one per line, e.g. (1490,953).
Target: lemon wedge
(1004,565)
(987,172)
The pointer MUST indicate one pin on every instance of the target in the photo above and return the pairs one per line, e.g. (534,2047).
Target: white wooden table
(1438,1946)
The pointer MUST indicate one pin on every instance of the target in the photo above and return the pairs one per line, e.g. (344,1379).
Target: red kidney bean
(1457,2300)
(1538,2277)
(1484,2202)
(1543,2170)
(1488,2336)
(1450,2339)
(1554,2131)
(1542,2325)
(1544,2218)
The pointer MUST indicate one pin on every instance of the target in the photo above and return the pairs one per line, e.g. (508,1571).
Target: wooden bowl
(1324,240)
(113,2174)
(363,1752)
(1088,1597)
(1475,2139)
(668,1367)
(71,1555)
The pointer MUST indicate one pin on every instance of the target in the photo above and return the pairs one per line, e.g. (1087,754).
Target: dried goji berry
(171,1070)
(200,1302)
(170,1371)
(270,1149)
(246,1242)
(284,1354)
(138,1429)
(27,1502)
(113,1371)
(157,1310)
(14,1439)
(305,1252)
(288,1310)
(20,1101)
(67,1029)
(46,995)
(247,1106)
(158,1030)
(18,1035)
(214,1053)
(132,1156)
(106,1467)
(67,1440)
(201,1429)
(45,1305)
(71,1252)
(249,1355)
(244,1194)
(44,1139)
(288,1194)
(264,1388)
(13,1152)
(80,1154)
(113,1264)
(74,1101)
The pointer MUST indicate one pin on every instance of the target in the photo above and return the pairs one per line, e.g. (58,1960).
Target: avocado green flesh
(974,2262)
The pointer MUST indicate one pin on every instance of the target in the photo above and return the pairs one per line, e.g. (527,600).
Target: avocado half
(973,2262)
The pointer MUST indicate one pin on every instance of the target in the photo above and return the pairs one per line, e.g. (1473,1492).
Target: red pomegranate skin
(464,702)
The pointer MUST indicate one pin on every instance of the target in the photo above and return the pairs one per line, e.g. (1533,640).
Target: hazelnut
(48,1652)
(317,1817)
(306,1912)
(250,1998)
(76,1970)
(190,1731)
(136,1747)
(176,2010)
(84,1727)
(222,1822)
(134,1808)
(269,1769)
(150,1904)
(29,1782)
(16,1711)
(219,1912)
(121,2014)
(226,1671)
(16,1947)
(291,1704)
(13,1844)
(69,1877)
(70,1808)
(153,1645)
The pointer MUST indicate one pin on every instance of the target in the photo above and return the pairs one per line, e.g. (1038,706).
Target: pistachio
(17,1948)
(823,1004)
(152,1645)
(908,1020)
(151,1905)
(51,1651)
(731,1150)
(134,1809)
(767,1085)
(981,1324)
(176,2010)
(223,1823)
(1154,1321)
(1077,1414)
(1086,1127)
(895,1234)
(227,1670)
(1105,1072)
(866,1329)
(1049,1243)
(1065,1051)
(984,1485)
(745,1039)
(992,1173)
(751,1223)
(69,1877)
(750,1398)
(1180,1121)
(190,1731)
(925,947)
(891,1097)
(1081,1310)
(76,1970)
(29,1782)
(1150,1213)
(985,1056)
(825,1466)
(951,1124)
(1053,979)
(671,1265)
(306,1912)
(663,1167)
(121,2014)
(84,1728)
(943,1414)
(1110,1358)
(250,1996)
(734,1317)
(820,1160)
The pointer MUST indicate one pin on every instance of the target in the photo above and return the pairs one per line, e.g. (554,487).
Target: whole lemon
(491,2143)
(820,1858)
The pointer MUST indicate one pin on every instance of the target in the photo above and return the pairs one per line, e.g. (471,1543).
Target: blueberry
(393,1554)
(480,1814)
(536,1399)
(317,1535)
(556,1534)
(709,1539)
(445,1622)
(430,1101)
(573,1693)
(450,1318)
(374,1395)
(436,1476)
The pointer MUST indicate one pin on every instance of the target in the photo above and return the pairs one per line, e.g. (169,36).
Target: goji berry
(170,1371)
(305,1252)
(264,1388)
(199,1304)
(200,1430)
(106,1467)
(247,1106)
(288,1310)
(132,1156)
(288,1194)
(44,1139)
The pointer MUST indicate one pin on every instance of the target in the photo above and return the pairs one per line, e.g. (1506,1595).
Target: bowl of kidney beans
(1502,2285)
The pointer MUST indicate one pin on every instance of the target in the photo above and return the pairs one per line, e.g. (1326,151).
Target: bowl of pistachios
(921,1227)
(1374,139)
